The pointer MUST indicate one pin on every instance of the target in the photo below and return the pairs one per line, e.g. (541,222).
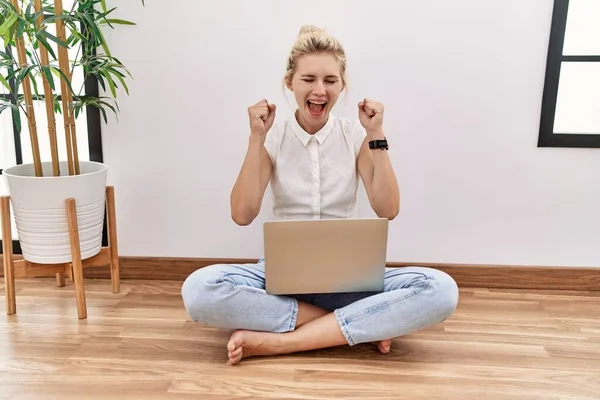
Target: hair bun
(309,29)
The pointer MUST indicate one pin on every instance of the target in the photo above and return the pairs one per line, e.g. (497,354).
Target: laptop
(325,256)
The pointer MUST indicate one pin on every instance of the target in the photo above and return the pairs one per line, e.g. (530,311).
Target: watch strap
(378,144)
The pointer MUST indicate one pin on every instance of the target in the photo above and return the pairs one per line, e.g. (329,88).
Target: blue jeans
(232,296)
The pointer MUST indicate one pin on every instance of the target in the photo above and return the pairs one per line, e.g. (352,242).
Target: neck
(310,129)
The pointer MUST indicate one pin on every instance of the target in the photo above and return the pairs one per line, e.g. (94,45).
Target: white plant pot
(39,206)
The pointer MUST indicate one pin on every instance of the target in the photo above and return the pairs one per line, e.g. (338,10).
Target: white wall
(462,84)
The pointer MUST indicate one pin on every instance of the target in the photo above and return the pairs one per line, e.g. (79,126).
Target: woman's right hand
(261,115)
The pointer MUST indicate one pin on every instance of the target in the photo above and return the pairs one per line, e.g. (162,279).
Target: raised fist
(261,116)
(370,113)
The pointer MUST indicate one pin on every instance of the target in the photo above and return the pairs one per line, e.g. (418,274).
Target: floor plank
(500,344)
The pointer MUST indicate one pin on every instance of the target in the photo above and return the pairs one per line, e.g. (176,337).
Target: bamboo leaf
(119,21)
(28,9)
(5,83)
(30,56)
(111,83)
(7,5)
(68,18)
(12,73)
(53,38)
(100,81)
(110,106)
(117,72)
(4,106)
(92,25)
(35,86)
(23,73)
(103,17)
(45,43)
(123,67)
(63,76)
(108,12)
(123,83)
(8,37)
(8,23)
(103,115)
(77,36)
(57,106)
(48,73)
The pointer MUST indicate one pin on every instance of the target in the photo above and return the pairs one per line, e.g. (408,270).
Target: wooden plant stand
(108,255)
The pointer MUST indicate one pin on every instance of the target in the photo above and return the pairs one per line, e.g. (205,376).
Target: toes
(235,348)
(235,342)
(235,353)
(231,346)
(235,360)
(385,346)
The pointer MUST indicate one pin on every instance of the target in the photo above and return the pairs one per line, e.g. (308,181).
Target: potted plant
(37,36)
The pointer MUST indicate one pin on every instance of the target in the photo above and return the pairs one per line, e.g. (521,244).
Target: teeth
(319,103)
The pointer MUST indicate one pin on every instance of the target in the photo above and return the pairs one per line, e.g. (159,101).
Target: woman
(313,162)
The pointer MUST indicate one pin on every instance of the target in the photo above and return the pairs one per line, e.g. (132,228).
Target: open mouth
(316,109)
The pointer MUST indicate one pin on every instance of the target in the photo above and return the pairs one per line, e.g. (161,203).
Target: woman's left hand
(370,113)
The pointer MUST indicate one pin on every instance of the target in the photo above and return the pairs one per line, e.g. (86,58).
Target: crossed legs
(233,297)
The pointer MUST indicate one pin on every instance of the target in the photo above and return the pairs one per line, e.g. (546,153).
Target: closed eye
(331,82)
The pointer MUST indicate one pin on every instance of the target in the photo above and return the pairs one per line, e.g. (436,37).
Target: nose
(319,89)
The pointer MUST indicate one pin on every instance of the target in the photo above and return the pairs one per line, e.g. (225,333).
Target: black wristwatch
(379,144)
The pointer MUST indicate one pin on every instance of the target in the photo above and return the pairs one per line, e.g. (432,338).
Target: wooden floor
(500,344)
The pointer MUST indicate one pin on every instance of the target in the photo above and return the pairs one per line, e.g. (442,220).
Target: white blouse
(315,176)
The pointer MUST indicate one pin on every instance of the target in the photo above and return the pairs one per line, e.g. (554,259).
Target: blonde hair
(312,39)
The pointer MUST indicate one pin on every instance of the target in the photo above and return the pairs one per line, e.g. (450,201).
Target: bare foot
(384,346)
(243,344)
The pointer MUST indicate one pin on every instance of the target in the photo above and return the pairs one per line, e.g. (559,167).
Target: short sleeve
(359,134)
(272,142)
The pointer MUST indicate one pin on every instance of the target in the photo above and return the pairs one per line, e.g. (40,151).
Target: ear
(288,84)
